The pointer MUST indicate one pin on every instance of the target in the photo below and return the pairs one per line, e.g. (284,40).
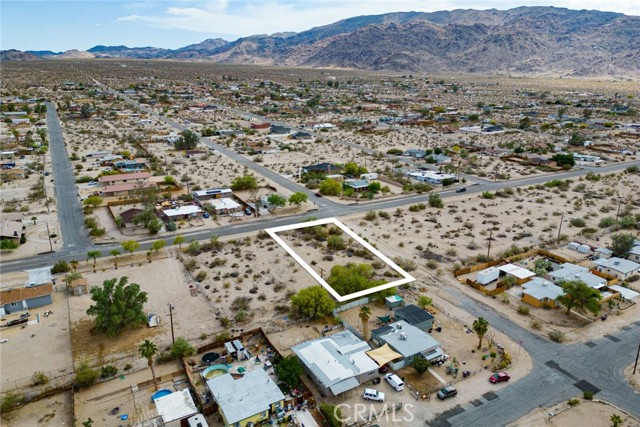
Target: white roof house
(619,267)
(189,210)
(542,290)
(572,272)
(336,361)
(176,406)
(244,397)
(516,271)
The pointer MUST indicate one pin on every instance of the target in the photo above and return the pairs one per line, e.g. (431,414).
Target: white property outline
(407,278)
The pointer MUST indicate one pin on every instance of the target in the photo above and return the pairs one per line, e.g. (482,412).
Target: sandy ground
(54,411)
(49,339)
(634,379)
(595,413)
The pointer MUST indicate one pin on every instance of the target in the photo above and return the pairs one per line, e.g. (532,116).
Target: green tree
(580,296)
(564,160)
(147,350)
(246,182)
(335,243)
(117,305)
(92,201)
(313,302)
(114,253)
(374,187)
(424,301)
(130,246)
(364,314)
(154,225)
(298,198)
(421,365)
(346,279)
(179,240)
(94,255)
(332,415)
(61,266)
(621,244)
(276,201)
(188,140)
(541,267)
(169,180)
(87,423)
(352,169)
(480,327)
(330,187)
(288,369)
(157,245)
(85,111)
(435,201)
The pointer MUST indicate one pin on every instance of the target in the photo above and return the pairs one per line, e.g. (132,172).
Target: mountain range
(524,40)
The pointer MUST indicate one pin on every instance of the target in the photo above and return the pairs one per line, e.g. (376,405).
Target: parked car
(318,195)
(383,369)
(371,394)
(461,190)
(499,377)
(247,211)
(395,382)
(447,392)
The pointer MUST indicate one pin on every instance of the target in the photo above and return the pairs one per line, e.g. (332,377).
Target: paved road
(69,209)
(559,372)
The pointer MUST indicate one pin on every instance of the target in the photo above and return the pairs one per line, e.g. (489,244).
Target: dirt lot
(53,411)
(595,413)
(47,344)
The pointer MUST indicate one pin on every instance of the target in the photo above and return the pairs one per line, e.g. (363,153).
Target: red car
(499,377)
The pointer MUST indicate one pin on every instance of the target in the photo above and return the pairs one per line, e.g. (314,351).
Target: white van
(371,394)
(395,382)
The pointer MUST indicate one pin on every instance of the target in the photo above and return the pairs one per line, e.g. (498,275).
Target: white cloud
(243,18)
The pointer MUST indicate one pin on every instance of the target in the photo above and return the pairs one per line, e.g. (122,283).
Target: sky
(63,25)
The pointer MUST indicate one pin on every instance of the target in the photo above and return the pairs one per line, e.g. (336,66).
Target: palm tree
(365,313)
(480,327)
(94,255)
(114,253)
(616,420)
(148,350)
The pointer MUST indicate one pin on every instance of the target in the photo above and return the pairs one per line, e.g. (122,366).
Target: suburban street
(68,204)
(560,371)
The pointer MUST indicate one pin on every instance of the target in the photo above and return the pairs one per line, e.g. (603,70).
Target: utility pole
(49,235)
(618,211)
(560,227)
(490,238)
(173,338)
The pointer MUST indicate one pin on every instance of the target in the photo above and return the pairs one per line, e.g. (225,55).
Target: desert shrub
(523,309)
(578,222)
(201,276)
(10,401)
(182,348)
(336,243)
(108,371)
(384,215)
(405,264)
(61,266)
(556,336)
(588,395)
(573,402)
(536,324)
(85,376)
(371,216)
(39,378)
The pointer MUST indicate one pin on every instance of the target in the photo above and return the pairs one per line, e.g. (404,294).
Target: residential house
(182,212)
(357,184)
(225,206)
(246,401)
(408,341)
(109,160)
(176,408)
(279,130)
(432,177)
(13,174)
(539,292)
(415,316)
(202,196)
(25,298)
(130,165)
(618,267)
(261,127)
(572,272)
(302,136)
(124,189)
(634,254)
(128,215)
(336,363)
(603,253)
(415,153)
(327,168)
(135,177)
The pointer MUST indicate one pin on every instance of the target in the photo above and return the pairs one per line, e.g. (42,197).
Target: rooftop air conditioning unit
(399,325)
(403,336)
